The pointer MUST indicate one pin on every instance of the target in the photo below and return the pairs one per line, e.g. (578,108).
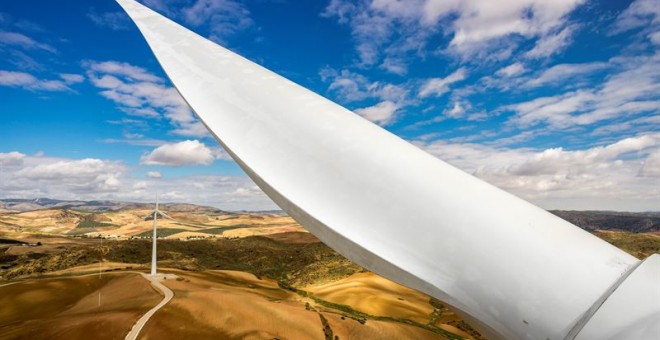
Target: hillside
(612,220)
(18,205)
(287,268)
(187,221)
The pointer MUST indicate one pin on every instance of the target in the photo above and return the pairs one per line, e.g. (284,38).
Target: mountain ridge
(586,219)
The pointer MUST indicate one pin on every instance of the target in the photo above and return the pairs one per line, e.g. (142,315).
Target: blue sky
(555,101)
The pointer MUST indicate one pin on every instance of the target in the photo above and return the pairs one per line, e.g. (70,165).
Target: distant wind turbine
(155,214)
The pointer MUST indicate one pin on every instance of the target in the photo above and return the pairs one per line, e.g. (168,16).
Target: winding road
(168,294)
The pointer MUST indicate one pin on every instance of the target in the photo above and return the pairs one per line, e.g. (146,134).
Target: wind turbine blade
(163,214)
(512,269)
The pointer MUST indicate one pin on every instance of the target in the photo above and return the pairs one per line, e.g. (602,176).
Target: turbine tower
(155,214)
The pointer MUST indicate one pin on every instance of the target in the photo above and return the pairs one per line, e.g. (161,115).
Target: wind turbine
(155,214)
(513,270)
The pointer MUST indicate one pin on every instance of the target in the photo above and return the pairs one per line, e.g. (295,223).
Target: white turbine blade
(163,214)
(512,269)
(159,212)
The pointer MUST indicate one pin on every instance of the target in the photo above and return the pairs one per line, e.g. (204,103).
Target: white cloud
(456,111)
(349,86)
(511,70)
(71,78)
(116,21)
(369,30)
(556,111)
(630,92)
(439,86)
(78,176)
(380,29)
(484,20)
(30,82)
(640,13)
(189,152)
(158,5)
(140,185)
(94,179)
(226,17)
(154,174)
(602,177)
(23,41)
(564,73)
(122,69)
(552,43)
(655,37)
(141,93)
(346,85)
(641,124)
(394,65)
(85,168)
(651,167)
(460,109)
(388,92)
(13,158)
(404,26)
(382,113)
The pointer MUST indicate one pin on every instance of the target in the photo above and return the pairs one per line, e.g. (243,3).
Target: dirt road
(168,294)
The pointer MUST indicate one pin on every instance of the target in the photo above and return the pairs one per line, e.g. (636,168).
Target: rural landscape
(148,146)
(72,268)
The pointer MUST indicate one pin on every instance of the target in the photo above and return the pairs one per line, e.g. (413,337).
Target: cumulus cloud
(631,91)
(189,152)
(71,78)
(13,158)
(121,69)
(29,82)
(23,41)
(140,185)
(439,86)
(397,27)
(655,37)
(460,110)
(225,17)
(479,20)
(394,65)
(640,13)
(348,86)
(565,72)
(116,21)
(141,93)
(222,18)
(551,44)
(96,179)
(370,30)
(603,177)
(511,70)
(78,176)
(382,113)
(154,174)
(456,111)
(651,167)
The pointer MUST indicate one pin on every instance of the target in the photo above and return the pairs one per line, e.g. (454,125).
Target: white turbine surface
(512,269)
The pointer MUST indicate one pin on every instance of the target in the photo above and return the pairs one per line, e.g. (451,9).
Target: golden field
(240,276)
